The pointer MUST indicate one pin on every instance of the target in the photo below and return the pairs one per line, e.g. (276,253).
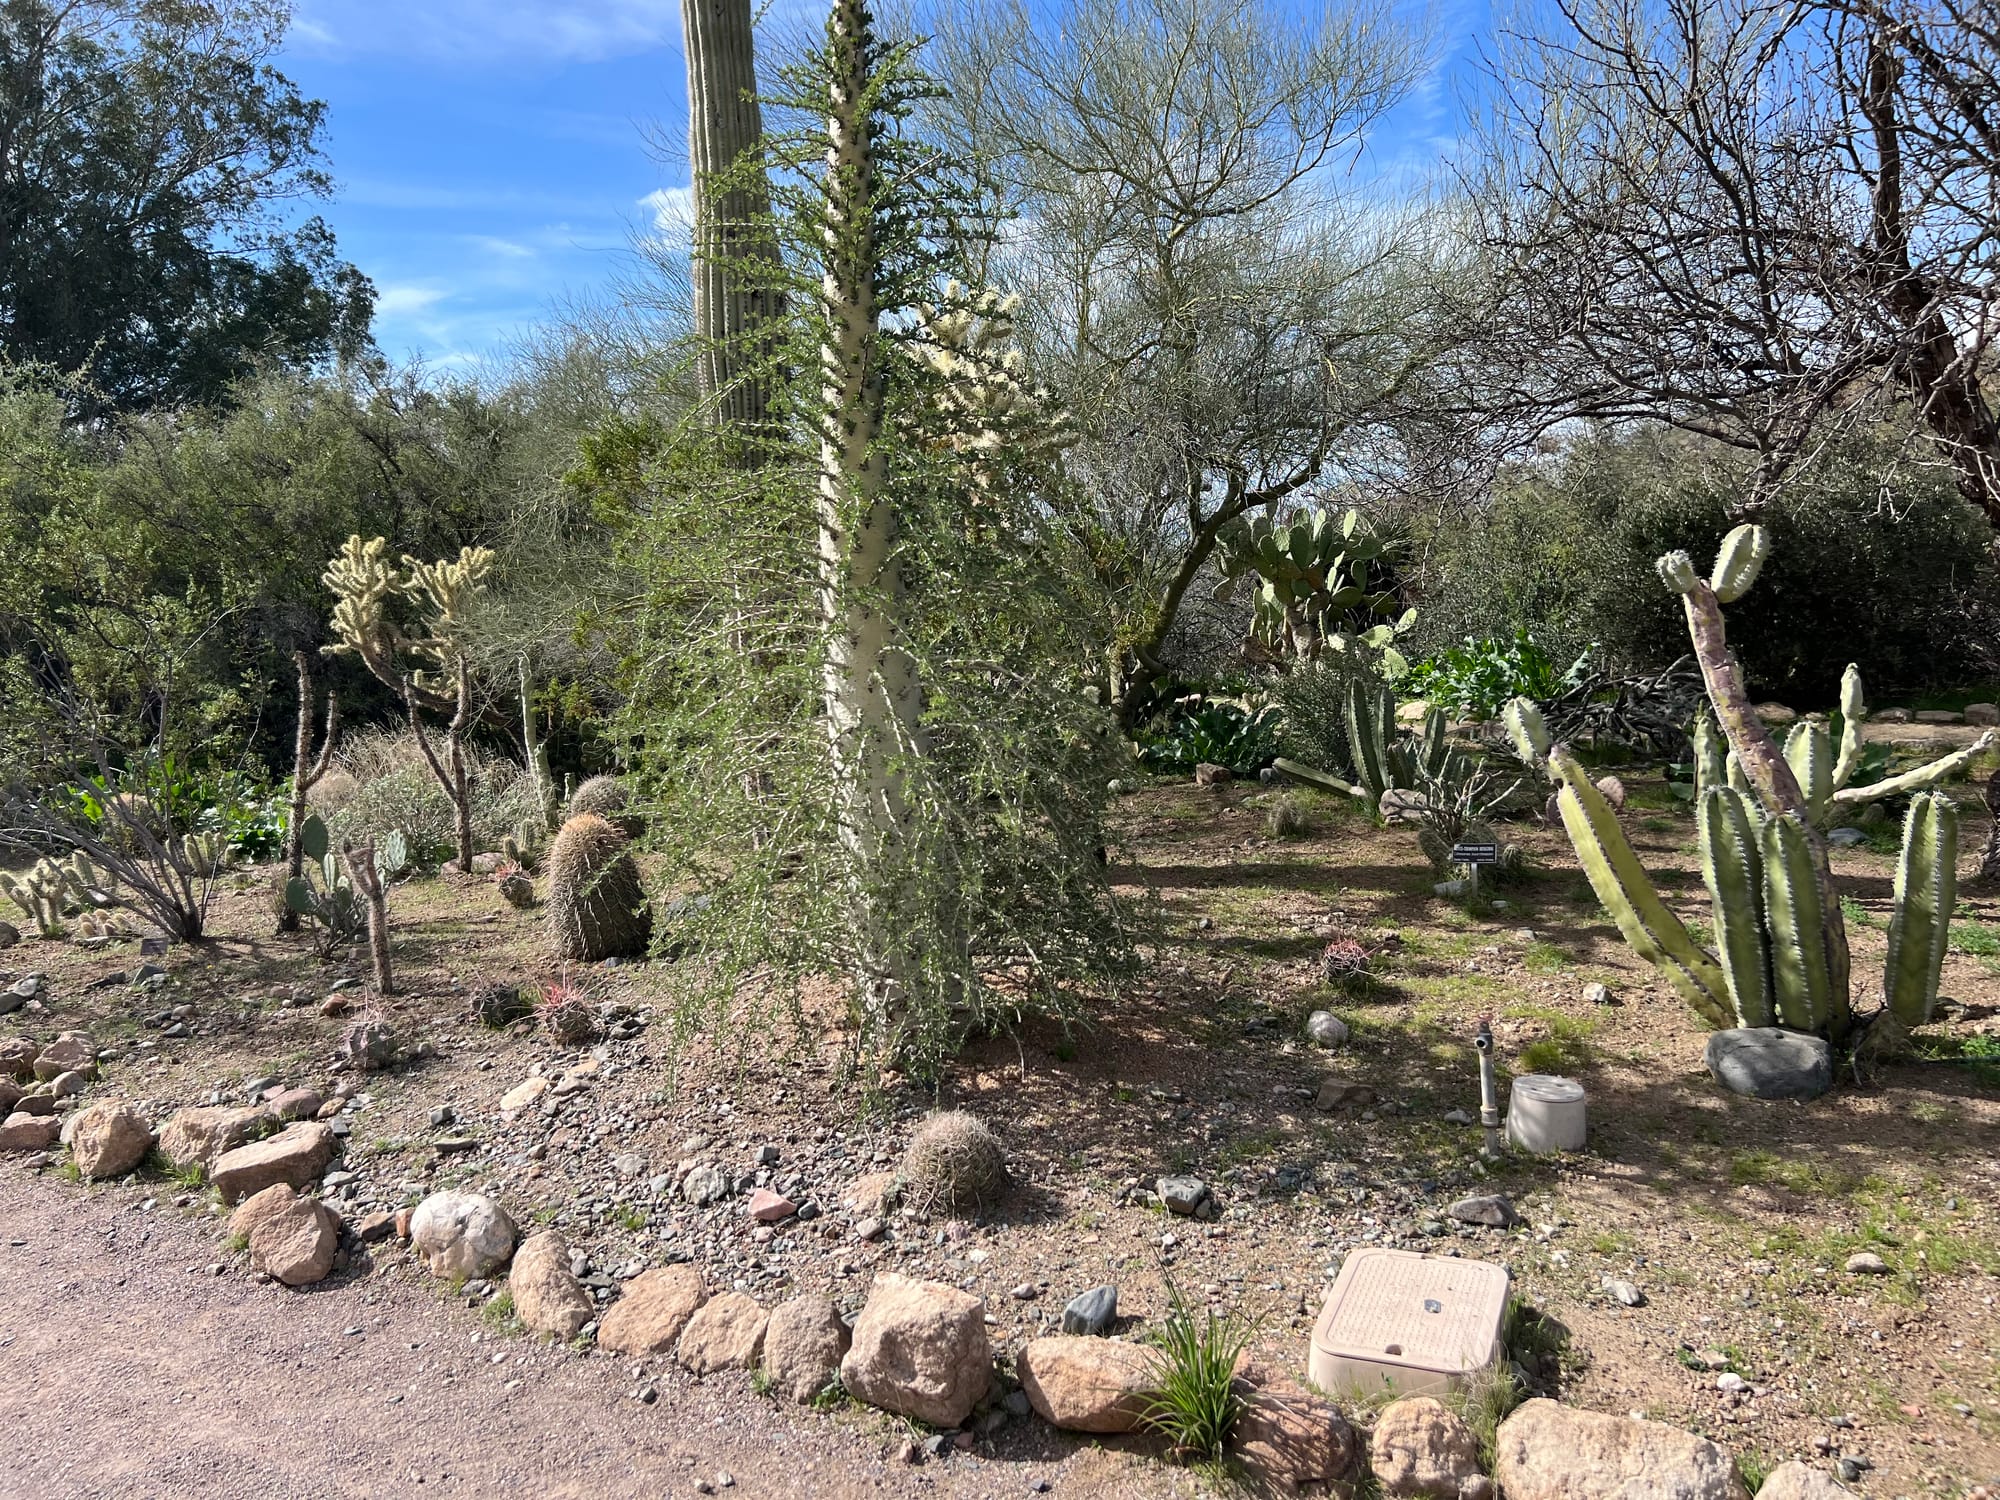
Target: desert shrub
(1288,818)
(1890,572)
(1197,1400)
(953,1163)
(1313,700)
(1481,675)
(394,788)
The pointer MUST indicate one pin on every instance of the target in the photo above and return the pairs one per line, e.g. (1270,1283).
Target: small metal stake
(1489,1097)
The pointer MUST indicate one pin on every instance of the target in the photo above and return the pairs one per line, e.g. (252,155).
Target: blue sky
(491,156)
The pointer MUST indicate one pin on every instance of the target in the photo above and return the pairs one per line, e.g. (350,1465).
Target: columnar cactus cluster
(1781,945)
(51,890)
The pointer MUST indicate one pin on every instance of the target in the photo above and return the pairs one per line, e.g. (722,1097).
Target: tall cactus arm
(1371,715)
(1653,932)
(1853,709)
(1733,870)
(1941,769)
(1809,752)
(1926,888)
(1711,765)
(1809,989)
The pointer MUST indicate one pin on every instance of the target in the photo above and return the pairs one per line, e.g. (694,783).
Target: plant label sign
(152,947)
(1475,854)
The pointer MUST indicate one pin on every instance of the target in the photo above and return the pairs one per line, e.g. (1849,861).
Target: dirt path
(126,1369)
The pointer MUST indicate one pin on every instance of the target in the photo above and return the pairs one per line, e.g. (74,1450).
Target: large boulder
(291,1239)
(462,1234)
(1547,1451)
(25,1132)
(726,1333)
(1288,1438)
(294,1156)
(547,1296)
(72,1052)
(109,1140)
(1420,1447)
(1768,1062)
(920,1350)
(1085,1384)
(1794,1481)
(194,1138)
(803,1342)
(649,1315)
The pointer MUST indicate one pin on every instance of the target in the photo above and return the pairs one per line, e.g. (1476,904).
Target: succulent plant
(1781,945)
(597,908)
(1341,960)
(566,1015)
(1312,575)
(514,885)
(499,1005)
(324,893)
(610,799)
(953,1163)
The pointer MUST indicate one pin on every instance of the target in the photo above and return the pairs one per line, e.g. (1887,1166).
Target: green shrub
(1478,678)
(394,789)
(1198,731)
(1874,561)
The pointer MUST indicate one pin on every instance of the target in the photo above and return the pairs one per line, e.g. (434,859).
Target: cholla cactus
(48,892)
(1782,956)
(983,392)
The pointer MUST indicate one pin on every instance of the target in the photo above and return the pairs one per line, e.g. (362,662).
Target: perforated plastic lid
(1425,1312)
(1547,1088)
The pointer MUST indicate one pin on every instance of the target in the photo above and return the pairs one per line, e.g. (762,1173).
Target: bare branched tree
(1224,309)
(1759,220)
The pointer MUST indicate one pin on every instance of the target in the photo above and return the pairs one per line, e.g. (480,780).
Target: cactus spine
(1782,942)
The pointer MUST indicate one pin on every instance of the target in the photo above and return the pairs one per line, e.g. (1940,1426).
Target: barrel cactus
(1781,954)
(610,799)
(596,906)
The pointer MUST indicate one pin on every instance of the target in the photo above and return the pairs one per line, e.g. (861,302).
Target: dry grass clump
(954,1164)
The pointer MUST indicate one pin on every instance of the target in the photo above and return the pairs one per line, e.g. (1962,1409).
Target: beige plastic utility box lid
(1405,1323)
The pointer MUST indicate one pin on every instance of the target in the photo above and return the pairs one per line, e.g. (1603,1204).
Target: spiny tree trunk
(724,122)
(872,696)
(306,771)
(367,879)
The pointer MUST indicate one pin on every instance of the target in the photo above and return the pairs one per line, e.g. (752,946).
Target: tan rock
(1085,1384)
(109,1140)
(70,1052)
(10,1094)
(296,1155)
(1421,1448)
(920,1350)
(24,1132)
(548,1299)
(803,1342)
(522,1095)
(292,1240)
(17,1058)
(1547,1451)
(295,1104)
(196,1137)
(726,1333)
(461,1234)
(868,1195)
(1793,1480)
(1289,1438)
(655,1306)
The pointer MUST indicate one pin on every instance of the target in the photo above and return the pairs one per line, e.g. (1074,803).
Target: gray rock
(1490,1209)
(1623,1292)
(1867,1263)
(1182,1195)
(1092,1311)
(1457,1117)
(368,1047)
(9,934)
(1982,713)
(1794,1481)
(1327,1029)
(1847,838)
(1596,994)
(704,1185)
(1768,1062)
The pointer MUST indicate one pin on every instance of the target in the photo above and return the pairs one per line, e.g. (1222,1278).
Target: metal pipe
(1489,1094)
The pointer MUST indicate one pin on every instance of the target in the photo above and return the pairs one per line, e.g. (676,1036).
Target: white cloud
(406,299)
(672,212)
(486,31)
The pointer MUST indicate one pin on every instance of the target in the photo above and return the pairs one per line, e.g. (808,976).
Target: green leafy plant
(1215,732)
(1477,678)
(1196,1403)
(1312,585)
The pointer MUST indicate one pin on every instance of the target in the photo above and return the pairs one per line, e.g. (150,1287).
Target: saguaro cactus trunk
(724,122)
(872,695)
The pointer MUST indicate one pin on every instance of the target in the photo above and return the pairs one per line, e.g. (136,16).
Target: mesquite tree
(846,669)
(364,586)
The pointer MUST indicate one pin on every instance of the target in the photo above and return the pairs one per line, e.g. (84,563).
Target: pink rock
(767,1207)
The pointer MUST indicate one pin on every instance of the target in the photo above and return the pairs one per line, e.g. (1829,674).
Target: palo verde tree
(843,671)
(366,588)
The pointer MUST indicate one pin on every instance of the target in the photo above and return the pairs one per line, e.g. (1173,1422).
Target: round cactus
(596,906)
(954,1164)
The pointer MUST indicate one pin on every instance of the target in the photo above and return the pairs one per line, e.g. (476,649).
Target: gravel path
(126,1369)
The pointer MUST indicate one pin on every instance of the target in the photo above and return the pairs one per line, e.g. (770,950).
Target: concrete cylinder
(1545,1114)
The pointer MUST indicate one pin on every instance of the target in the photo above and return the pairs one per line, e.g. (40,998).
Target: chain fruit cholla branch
(364,584)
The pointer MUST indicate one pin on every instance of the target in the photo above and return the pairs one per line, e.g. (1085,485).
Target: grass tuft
(1196,1405)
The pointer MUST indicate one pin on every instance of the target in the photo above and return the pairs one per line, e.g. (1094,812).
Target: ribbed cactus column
(873,699)
(724,122)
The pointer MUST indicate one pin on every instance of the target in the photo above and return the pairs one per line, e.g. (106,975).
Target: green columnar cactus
(1371,726)
(1782,946)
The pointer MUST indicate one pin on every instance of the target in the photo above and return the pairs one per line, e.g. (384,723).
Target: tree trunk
(367,879)
(872,696)
(306,770)
(537,751)
(725,122)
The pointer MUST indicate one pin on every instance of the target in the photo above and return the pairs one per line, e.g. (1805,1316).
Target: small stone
(1326,1029)
(704,1185)
(1794,1481)
(1624,1292)
(1457,1117)
(1091,1312)
(295,1104)
(1182,1195)
(767,1207)
(293,1240)
(1596,994)
(1866,1263)
(522,1095)
(25,1132)
(1337,1094)
(1612,790)
(1547,1451)
(1731,1384)
(1847,838)
(1491,1209)
(1985,714)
